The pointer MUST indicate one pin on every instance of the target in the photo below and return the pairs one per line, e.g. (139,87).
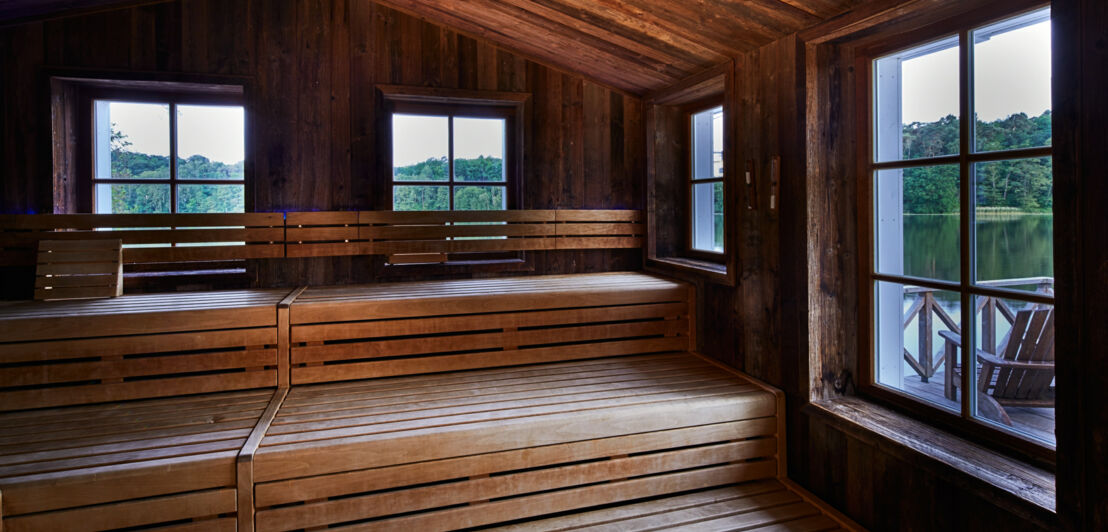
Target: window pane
(479,149)
(1017,399)
(132,140)
(210,198)
(1015,224)
(479,199)
(419,148)
(916,222)
(420,198)
(131,199)
(912,325)
(707,217)
(707,140)
(916,102)
(1011,83)
(210,142)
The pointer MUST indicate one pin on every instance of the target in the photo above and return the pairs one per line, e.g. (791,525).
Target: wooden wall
(310,69)
(791,320)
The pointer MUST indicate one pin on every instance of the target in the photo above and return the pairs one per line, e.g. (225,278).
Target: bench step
(761,506)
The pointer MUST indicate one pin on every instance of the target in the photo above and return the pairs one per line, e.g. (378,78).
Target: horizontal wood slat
(382,330)
(79,269)
(168,238)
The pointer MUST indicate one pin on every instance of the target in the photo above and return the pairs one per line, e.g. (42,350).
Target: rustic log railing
(925,310)
(405,236)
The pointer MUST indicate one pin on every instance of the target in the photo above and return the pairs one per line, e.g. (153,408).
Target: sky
(418,138)
(1011,74)
(216,132)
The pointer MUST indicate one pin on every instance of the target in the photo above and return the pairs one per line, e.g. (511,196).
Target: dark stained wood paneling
(1080,55)
(311,67)
(634,45)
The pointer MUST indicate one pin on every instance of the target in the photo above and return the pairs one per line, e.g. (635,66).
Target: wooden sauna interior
(570,358)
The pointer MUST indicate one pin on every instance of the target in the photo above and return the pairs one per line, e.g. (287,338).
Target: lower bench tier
(663,436)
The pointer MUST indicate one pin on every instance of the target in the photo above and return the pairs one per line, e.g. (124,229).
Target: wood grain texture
(376,448)
(314,139)
(636,46)
(116,466)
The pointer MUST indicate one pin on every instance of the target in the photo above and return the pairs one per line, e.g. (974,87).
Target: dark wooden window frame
(668,248)
(87,99)
(961,423)
(513,107)
(691,181)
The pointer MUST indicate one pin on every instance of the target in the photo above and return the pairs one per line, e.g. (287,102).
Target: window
(706,181)
(962,226)
(450,158)
(153,154)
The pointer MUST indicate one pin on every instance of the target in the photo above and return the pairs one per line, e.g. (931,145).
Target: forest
(1020,185)
(155,198)
(479,171)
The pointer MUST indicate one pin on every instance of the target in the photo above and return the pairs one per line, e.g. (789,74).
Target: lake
(1009,246)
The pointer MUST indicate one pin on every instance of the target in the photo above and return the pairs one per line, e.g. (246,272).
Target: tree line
(1017,185)
(437,198)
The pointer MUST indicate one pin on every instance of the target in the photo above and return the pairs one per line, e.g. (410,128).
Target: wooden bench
(149,451)
(357,332)
(412,406)
(119,465)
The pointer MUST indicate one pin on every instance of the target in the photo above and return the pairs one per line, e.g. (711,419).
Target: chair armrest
(952,337)
(1013,364)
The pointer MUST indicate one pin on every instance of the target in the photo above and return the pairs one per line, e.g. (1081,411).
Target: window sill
(1018,487)
(713,271)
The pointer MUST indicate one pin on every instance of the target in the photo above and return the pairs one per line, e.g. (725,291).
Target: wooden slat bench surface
(126,464)
(356,332)
(510,443)
(55,353)
(759,506)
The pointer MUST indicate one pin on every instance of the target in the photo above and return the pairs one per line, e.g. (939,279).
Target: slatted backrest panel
(78,269)
(344,333)
(151,238)
(57,353)
(323,234)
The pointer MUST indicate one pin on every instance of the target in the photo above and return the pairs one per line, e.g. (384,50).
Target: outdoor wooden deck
(1038,422)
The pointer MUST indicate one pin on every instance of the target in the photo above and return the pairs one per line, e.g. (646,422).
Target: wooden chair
(79,269)
(1020,373)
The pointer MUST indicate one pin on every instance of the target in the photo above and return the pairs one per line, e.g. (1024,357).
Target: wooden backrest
(78,269)
(357,332)
(407,237)
(149,238)
(55,353)
(1031,339)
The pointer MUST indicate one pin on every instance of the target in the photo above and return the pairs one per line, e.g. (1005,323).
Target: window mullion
(172,157)
(450,158)
(966,200)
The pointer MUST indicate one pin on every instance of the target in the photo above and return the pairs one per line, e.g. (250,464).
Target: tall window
(167,156)
(962,226)
(706,181)
(449,158)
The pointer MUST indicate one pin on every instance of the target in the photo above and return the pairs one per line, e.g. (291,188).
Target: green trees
(155,197)
(1024,184)
(436,198)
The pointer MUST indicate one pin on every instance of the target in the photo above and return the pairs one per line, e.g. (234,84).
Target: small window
(449,160)
(167,156)
(706,181)
(962,272)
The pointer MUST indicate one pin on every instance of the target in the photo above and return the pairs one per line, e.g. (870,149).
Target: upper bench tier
(357,332)
(134,347)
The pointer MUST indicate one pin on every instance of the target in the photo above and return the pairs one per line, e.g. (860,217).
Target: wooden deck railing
(168,238)
(925,310)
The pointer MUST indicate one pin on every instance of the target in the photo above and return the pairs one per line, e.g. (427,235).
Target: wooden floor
(1038,422)
(760,506)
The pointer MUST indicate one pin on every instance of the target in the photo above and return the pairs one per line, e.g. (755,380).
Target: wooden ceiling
(635,45)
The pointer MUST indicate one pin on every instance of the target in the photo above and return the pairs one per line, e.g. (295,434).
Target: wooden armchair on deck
(1020,373)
